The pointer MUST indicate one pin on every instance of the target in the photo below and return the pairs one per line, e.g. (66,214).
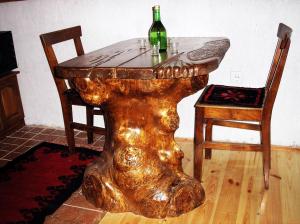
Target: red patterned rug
(36,183)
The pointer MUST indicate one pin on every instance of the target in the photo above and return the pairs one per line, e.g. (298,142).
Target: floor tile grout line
(36,133)
(15,137)
(4,150)
(90,209)
(6,159)
(9,144)
(100,138)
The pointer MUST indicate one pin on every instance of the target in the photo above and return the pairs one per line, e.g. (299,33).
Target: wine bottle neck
(156,15)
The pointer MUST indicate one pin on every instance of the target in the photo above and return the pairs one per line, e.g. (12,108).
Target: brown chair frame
(68,96)
(239,117)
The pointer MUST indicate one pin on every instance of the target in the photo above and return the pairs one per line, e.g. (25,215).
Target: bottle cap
(156,7)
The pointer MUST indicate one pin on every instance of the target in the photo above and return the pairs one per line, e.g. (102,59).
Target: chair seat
(232,96)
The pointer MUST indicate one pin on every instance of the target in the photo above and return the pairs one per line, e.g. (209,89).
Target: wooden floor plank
(272,212)
(214,170)
(233,183)
(228,201)
(289,171)
(251,191)
(212,183)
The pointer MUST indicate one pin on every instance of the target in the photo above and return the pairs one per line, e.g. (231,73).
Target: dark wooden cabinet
(11,109)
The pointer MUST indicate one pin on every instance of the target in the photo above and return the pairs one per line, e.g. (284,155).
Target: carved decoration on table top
(211,49)
(195,62)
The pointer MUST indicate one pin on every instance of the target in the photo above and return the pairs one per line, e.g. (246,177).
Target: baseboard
(274,147)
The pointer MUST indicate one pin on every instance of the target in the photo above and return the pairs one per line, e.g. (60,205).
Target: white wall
(251,27)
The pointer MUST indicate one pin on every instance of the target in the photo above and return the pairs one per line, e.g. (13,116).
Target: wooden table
(141,168)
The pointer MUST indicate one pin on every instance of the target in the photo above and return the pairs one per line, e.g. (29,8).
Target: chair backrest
(49,39)
(284,34)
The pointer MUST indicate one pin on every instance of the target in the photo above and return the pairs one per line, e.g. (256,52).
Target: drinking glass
(174,47)
(155,49)
(142,43)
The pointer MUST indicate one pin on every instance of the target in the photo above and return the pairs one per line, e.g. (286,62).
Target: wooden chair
(68,96)
(236,107)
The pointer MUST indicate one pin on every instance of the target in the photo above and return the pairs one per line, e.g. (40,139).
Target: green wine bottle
(157,32)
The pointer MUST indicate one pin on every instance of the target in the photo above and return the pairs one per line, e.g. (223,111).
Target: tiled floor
(76,209)
(25,138)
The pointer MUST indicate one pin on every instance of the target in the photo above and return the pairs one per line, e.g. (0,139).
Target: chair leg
(208,137)
(68,120)
(108,133)
(90,123)
(198,143)
(266,147)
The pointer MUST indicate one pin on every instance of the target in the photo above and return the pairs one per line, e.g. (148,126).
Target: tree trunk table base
(141,168)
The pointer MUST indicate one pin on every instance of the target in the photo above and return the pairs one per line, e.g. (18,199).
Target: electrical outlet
(235,77)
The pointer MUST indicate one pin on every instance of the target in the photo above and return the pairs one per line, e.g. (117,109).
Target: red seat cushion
(233,96)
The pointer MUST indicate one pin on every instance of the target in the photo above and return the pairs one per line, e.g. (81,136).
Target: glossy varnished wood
(141,169)
(238,117)
(11,109)
(126,60)
(235,192)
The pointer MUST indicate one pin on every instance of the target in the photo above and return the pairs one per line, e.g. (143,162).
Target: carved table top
(125,60)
